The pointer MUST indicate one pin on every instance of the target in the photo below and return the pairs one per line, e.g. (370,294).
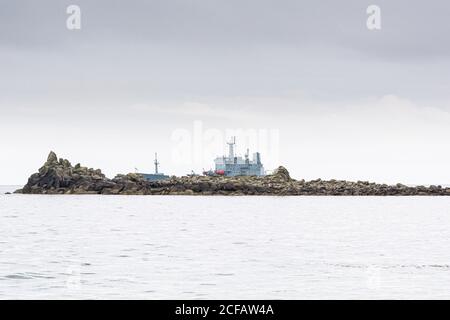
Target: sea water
(200,247)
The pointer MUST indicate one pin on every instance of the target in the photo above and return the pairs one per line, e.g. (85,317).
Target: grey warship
(233,165)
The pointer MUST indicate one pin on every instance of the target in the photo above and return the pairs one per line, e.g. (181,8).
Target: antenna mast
(231,147)
(156,163)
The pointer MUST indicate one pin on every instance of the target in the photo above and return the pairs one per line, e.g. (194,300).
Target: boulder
(282,173)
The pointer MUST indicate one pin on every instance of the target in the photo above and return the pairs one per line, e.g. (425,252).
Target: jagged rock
(58,176)
(283,173)
(51,159)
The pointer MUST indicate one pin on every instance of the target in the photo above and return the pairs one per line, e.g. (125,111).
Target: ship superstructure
(233,165)
(155,176)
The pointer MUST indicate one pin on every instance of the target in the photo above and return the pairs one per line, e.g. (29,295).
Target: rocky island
(58,176)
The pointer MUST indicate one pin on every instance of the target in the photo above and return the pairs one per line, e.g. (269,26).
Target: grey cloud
(410,28)
(263,56)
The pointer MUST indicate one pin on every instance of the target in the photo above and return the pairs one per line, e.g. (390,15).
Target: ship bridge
(233,165)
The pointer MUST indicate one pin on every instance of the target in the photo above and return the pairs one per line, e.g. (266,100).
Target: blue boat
(157,176)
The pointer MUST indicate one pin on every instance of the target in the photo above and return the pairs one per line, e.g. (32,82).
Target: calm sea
(170,247)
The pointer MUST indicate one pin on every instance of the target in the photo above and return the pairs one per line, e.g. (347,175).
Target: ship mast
(156,163)
(231,147)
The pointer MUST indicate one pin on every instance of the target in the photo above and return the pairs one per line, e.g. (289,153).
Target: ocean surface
(181,247)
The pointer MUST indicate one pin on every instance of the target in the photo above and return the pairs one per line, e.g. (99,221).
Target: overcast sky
(327,97)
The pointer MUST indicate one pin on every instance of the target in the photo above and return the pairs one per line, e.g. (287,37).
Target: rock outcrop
(58,176)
